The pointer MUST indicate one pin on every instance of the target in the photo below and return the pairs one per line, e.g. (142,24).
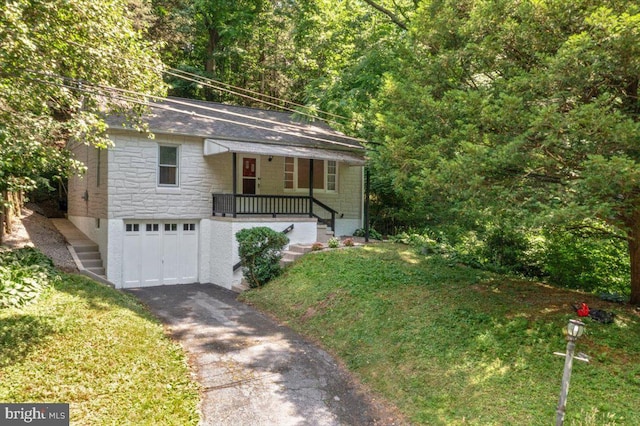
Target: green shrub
(590,258)
(419,240)
(511,251)
(333,242)
(24,274)
(260,250)
(588,263)
(373,234)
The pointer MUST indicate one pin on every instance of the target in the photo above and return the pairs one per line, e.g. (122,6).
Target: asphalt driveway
(252,370)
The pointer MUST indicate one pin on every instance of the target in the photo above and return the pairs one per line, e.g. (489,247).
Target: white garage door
(159,252)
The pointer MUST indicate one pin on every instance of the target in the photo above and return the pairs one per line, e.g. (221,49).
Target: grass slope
(453,345)
(86,344)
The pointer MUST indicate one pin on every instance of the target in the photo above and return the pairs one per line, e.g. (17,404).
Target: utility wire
(212,80)
(209,82)
(85,88)
(250,97)
(190,103)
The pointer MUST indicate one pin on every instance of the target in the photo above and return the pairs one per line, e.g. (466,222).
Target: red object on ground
(583,311)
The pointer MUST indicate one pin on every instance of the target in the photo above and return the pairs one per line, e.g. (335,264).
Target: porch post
(310,187)
(234,168)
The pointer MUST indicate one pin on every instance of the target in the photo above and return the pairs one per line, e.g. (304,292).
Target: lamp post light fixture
(575,329)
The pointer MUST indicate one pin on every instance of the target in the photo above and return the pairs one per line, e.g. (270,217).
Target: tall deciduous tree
(347,47)
(523,106)
(51,53)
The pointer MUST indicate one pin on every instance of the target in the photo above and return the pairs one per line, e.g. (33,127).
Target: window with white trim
(289,172)
(168,165)
(296,174)
(332,175)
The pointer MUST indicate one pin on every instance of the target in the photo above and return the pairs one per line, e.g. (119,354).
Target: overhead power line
(209,82)
(234,90)
(124,95)
(268,103)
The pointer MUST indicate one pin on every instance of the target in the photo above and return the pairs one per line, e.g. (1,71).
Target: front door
(250,175)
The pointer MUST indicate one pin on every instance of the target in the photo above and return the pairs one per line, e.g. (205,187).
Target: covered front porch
(293,181)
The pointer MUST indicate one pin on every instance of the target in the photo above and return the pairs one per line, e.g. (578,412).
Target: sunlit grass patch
(99,350)
(454,345)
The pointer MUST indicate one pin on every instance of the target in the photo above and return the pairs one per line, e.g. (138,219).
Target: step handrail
(332,223)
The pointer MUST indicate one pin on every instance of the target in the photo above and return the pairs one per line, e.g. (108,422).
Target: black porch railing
(273,205)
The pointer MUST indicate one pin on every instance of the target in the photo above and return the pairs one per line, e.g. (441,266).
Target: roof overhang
(219,146)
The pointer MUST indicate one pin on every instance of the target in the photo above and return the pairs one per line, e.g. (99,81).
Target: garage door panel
(131,255)
(171,249)
(189,253)
(151,256)
(160,252)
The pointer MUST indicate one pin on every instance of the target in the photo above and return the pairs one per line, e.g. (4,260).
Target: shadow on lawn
(20,334)
(100,297)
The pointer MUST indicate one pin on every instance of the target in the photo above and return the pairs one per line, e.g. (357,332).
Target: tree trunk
(9,212)
(212,46)
(633,237)
(5,208)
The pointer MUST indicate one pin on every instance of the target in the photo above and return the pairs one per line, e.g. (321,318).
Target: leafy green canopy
(525,109)
(46,50)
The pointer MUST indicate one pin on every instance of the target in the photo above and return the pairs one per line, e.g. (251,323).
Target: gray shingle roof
(220,121)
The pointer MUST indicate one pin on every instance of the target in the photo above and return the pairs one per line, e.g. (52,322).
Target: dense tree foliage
(520,110)
(240,45)
(52,57)
(328,55)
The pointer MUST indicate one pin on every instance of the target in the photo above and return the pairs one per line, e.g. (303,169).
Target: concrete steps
(293,253)
(324,233)
(239,288)
(85,252)
(89,256)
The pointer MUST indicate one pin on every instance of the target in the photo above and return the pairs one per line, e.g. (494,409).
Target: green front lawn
(99,350)
(453,345)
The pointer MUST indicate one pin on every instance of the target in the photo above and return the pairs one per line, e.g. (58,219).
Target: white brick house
(165,210)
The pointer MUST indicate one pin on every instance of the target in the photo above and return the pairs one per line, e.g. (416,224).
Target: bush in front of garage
(260,250)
